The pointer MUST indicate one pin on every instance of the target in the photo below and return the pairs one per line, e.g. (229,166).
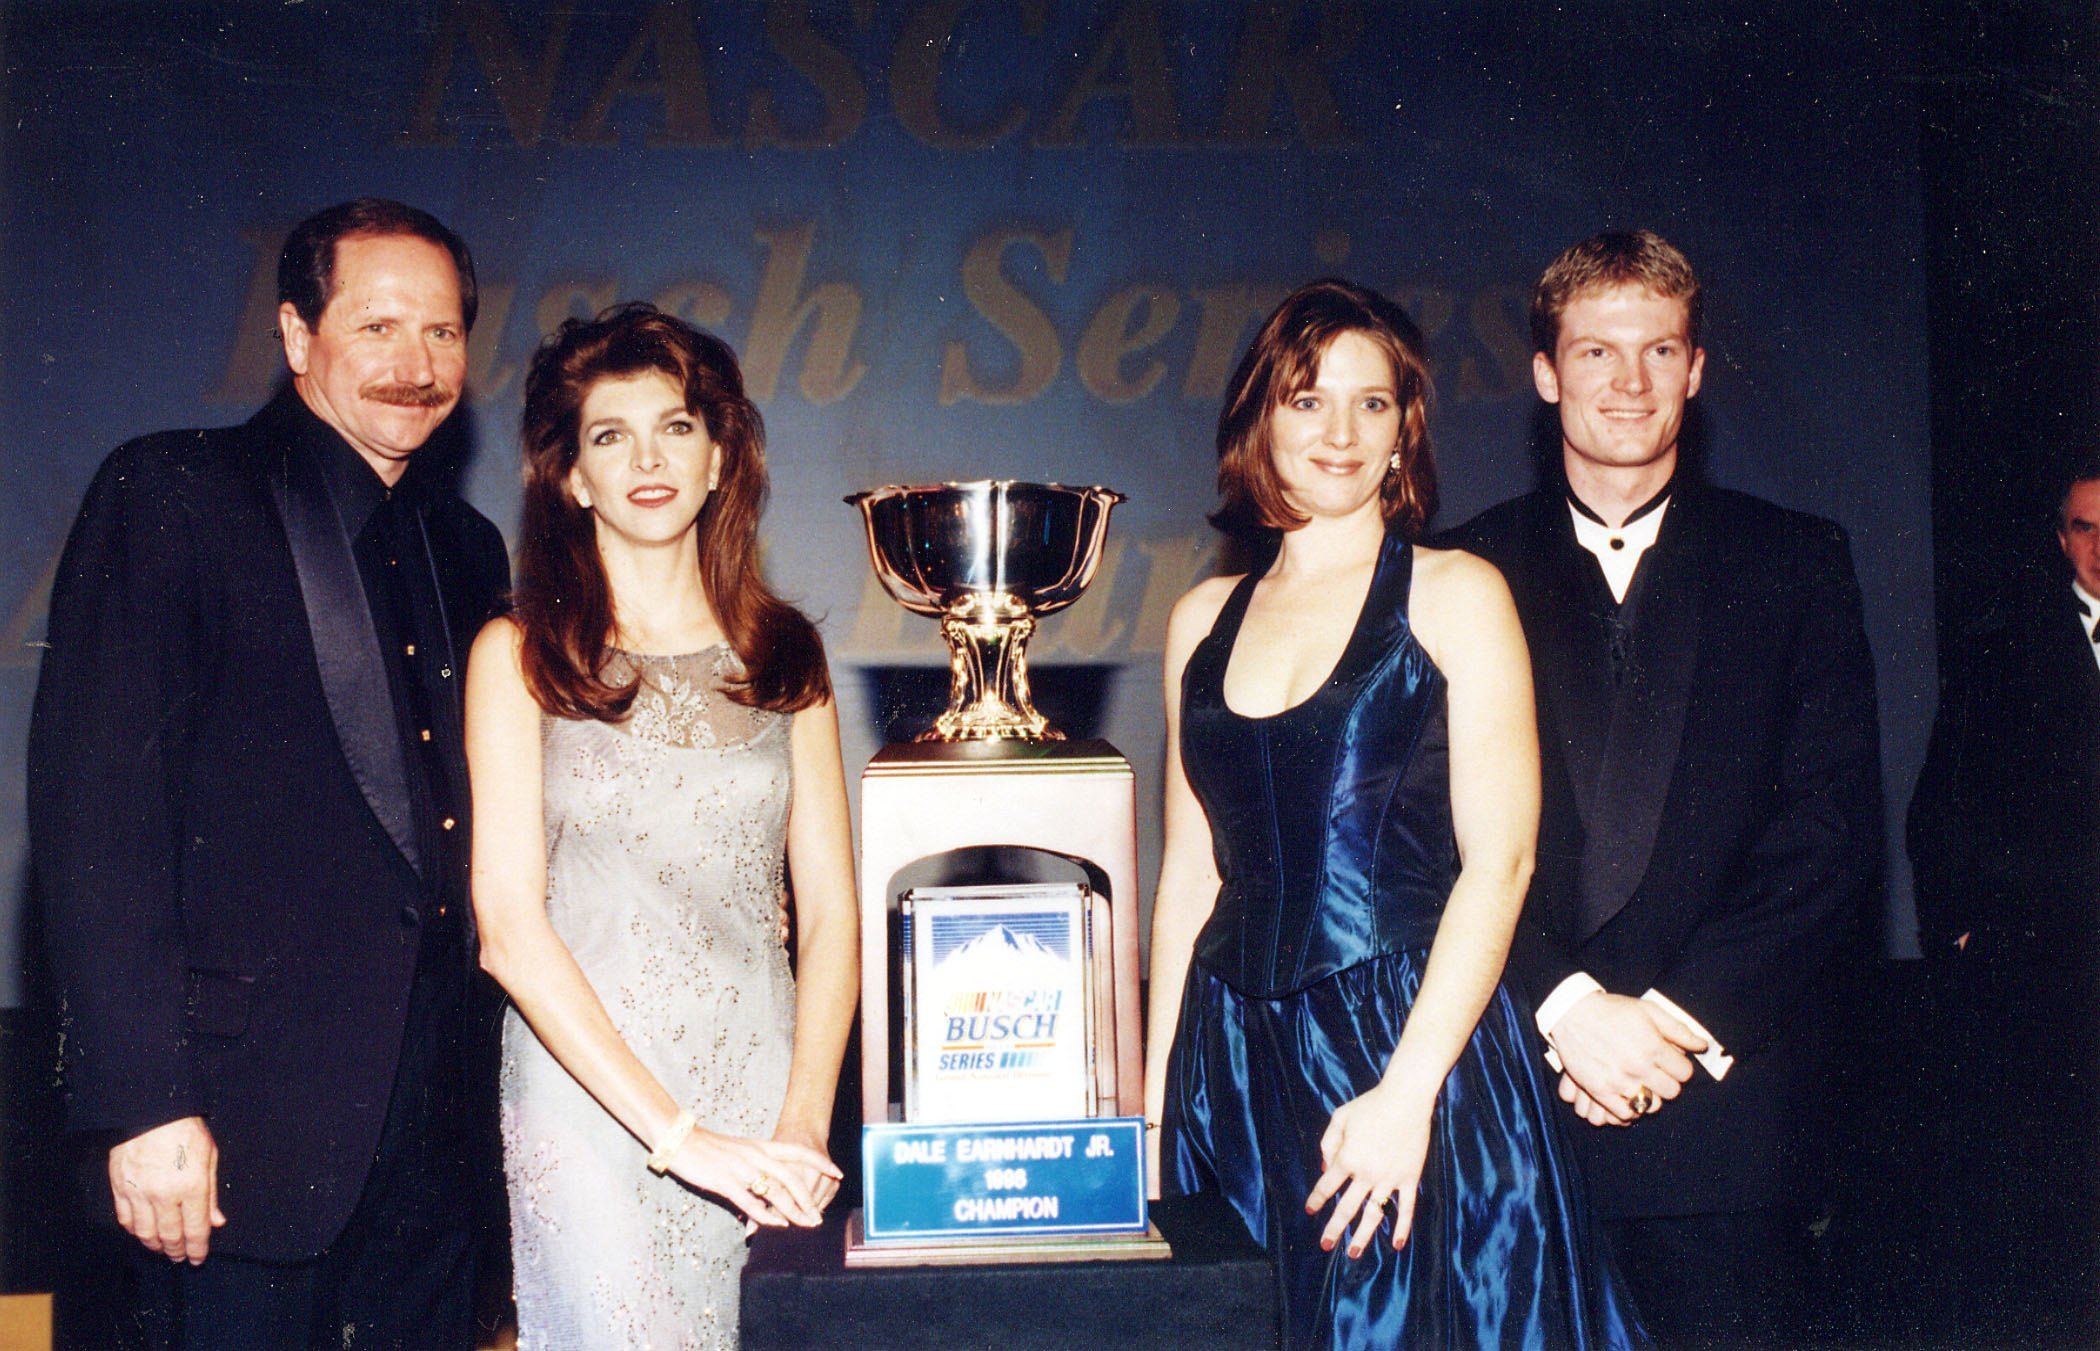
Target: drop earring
(1392,463)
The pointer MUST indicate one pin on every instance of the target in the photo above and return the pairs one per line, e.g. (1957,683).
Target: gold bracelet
(660,1157)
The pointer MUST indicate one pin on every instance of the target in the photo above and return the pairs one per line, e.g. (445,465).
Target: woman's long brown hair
(563,601)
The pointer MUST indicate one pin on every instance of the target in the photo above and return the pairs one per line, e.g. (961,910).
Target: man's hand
(166,1185)
(1611,1047)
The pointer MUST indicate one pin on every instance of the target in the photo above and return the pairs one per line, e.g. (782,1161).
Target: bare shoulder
(500,637)
(1459,603)
(817,718)
(1452,578)
(1199,605)
(1194,615)
(496,666)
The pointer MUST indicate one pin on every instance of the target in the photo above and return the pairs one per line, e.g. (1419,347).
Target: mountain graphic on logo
(1001,957)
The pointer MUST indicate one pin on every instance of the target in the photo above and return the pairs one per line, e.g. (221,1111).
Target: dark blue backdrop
(962,239)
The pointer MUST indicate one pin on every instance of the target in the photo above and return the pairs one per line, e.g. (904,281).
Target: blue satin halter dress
(1331,824)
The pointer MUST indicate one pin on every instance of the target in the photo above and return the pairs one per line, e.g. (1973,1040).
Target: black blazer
(2004,827)
(218,817)
(1720,839)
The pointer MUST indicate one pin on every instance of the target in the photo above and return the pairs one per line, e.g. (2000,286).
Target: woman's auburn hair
(1283,361)
(563,602)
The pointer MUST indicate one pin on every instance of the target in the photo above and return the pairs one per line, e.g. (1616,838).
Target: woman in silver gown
(654,754)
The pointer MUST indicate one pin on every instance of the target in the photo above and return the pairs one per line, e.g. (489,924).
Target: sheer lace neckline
(682,699)
(716,646)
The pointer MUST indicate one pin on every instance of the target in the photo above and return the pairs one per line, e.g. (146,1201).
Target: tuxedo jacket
(219,814)
(1711,820)
(2004,827)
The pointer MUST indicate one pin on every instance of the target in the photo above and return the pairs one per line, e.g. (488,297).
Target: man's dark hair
(306,268)
(2084,469)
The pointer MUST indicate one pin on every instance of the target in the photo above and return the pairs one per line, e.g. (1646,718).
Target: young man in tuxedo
(2004,836)
(249,820)
(1711,831)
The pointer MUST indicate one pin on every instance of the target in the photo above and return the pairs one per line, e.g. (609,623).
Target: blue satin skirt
(1502,1252)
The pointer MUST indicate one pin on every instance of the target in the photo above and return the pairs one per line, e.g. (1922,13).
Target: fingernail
(1326,1245)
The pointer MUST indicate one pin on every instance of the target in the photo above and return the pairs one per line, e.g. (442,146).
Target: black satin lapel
(346,646)
(1647,723)
(1574,676)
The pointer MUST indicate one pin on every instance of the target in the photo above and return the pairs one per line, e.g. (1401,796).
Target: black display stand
(1217,1291)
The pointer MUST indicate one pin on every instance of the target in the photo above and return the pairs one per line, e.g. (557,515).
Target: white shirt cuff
(1713,1059)
(1581,985)
(1577,987)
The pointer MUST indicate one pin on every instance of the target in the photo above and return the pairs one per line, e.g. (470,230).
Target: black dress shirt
(385,526)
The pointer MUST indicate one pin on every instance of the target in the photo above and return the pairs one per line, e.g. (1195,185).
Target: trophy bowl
(987,558)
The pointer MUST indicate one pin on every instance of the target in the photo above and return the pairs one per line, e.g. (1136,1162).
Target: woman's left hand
(1372,1153)
(811,1137)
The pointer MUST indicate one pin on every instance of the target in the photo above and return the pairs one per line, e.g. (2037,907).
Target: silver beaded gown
(666,838)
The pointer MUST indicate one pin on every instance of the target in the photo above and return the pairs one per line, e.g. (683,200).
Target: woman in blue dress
(1351,806)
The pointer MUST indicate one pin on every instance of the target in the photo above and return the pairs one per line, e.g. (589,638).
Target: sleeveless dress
(665,849)
(1331,825)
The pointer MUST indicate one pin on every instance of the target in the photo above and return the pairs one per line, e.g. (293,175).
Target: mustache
(411,396)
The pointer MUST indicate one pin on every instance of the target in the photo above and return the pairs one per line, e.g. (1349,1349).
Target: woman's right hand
(772,1181)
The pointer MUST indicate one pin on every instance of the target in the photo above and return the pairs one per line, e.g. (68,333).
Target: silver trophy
(987,558)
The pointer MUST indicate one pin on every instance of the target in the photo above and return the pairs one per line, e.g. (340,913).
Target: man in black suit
(2004,836)
(248,809)
(1711,830)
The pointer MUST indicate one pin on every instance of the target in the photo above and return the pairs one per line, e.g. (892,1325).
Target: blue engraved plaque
(1036,1178)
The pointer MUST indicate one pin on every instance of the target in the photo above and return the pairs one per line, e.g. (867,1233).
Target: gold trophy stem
(988,697)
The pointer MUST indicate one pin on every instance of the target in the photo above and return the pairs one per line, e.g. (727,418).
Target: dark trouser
(1737,1279)
(401,1274)
(2016,1118)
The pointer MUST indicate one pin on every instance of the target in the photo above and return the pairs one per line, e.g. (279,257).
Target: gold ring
(761,1185)
(1643,1101)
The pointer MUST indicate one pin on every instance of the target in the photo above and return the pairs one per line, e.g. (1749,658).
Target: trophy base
(1051,755)
(1150,1246)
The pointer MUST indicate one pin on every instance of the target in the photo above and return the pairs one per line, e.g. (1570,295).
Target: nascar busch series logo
(999,1030)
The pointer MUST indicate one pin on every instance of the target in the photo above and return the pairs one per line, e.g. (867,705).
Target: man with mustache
(249,823)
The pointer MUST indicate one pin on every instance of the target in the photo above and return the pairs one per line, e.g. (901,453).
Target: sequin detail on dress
(666,844)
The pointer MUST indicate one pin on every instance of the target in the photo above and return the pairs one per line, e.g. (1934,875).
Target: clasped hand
(775,1183)
(1611,1047)
(1372,1154)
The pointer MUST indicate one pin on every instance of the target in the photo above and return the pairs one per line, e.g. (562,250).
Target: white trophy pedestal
(1072,798)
